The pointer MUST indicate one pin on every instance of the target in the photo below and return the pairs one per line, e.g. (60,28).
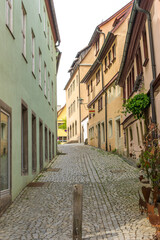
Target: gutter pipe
(101,33)
(154,120)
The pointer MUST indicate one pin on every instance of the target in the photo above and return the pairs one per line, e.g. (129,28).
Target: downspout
(79,106)
(154,120)
(105,102)
(101,33)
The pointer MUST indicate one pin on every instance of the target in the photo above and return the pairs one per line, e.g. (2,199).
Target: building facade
(140,71)
(61,121)
(104,97)
(28,67)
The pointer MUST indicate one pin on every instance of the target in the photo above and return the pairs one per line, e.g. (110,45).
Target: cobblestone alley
(110,200)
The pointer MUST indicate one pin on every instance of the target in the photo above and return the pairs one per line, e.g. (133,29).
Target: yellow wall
(60,119)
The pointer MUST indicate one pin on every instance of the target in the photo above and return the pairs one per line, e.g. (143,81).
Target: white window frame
(48,35)
(24,17)
(45,79)
(40,67)
(33,51)
(44,26)
(39,10)
(9,14)
(48,87)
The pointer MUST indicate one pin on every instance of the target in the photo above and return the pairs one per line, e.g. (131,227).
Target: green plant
(136,105)
(59,142)
(64,125)
(150,156)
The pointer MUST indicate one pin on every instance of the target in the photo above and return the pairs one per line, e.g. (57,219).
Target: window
(93,108)
(46,144)
(52,97)
(145,47)
(114,52)
(91,86)
(24,138)
(44,19)
(33,52)
(109,59)
(138,134)
(110,128)
(97,46)
(49,87)
(34,144)
(45,79)
(118,128)
(131,134)
(52,145)
(9,13)
(48,36)
(139,62)
(41,145)
(88,89)
(50,154)
(100,104)
(77,80)
(75,127)
(40,63)
(141,127)
(52,47)
(97,77)
(130,82)
(24,16)
(103,133)
(40,10)
(106,62)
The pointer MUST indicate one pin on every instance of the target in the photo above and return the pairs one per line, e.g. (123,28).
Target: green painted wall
(17,82)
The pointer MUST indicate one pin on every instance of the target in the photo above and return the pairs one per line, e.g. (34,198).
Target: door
(99,136)
(4,158)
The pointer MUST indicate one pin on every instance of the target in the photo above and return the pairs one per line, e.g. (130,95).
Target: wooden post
(77,212)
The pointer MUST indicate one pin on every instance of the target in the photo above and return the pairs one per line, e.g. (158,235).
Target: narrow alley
(110,200)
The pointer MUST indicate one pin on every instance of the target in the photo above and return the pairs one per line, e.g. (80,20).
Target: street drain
(53,169)
(117,171)
(38,184)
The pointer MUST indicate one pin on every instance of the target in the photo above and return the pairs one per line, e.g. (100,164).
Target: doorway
(5,163)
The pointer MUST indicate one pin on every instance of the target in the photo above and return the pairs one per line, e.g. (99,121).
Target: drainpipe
(105,102)
(79,106)
(154,120)
(101,33)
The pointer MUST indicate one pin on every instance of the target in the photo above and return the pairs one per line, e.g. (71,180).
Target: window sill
(109,65)
(48,47)
(106,69)
(49,103)
(52,109)
(45,96)
(44,34)
(33,75)
(40,86)
(114,59)
(97,83)
(40,17)
(24,58)
(10,31)
(145,62)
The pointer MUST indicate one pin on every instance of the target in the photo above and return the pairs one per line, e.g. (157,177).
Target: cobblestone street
(110,200)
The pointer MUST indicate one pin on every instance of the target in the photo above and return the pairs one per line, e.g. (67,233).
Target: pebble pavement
(110,200)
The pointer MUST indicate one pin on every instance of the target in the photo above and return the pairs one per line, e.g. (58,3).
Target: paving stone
(110,200)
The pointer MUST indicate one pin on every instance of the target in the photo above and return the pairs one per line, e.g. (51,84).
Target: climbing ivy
(136,105)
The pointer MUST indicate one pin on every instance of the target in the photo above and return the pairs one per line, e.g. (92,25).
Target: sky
(77,20)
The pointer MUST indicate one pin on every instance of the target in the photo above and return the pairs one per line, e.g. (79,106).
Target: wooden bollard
(77,211)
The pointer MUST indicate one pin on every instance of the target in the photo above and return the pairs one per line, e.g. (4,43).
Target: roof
(131,26)
(53,20)
(107,43)
(119,12)
(60,110)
